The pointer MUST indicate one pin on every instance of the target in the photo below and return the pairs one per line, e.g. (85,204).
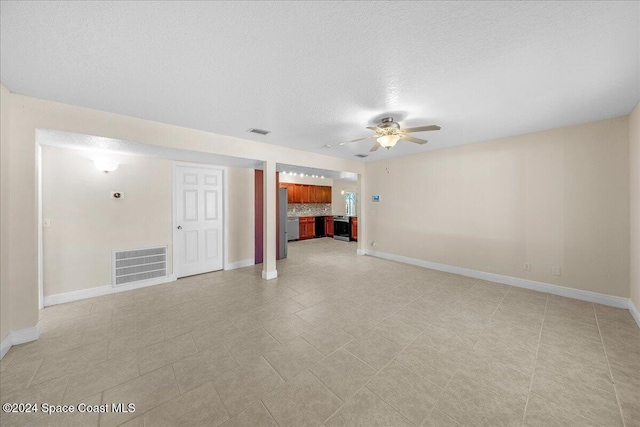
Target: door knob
(179,227)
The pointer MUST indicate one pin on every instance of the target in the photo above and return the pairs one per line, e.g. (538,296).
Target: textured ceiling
(317,73)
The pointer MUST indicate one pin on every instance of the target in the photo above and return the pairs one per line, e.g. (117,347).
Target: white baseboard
(103,290)
(361,252)
(19,337)
(268,275)
(240,264)
(610,300)
(634,312)
(5,345)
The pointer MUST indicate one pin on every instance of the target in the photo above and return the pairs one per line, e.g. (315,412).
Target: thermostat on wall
(376,198)
(117,195)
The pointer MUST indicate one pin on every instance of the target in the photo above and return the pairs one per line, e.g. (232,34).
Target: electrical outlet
(374,243)
(555,270)
(527,266)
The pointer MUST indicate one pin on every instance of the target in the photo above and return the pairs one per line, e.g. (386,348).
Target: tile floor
(338,339)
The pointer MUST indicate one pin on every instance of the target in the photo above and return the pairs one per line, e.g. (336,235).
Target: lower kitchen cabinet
(307,227)
(354,228)
(328,226)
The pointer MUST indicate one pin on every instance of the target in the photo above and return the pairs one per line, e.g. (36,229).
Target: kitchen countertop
(302,215)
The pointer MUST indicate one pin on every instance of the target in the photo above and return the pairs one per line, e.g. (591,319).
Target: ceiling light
(322,177)
(388,141)
(106,165)
(342,143)
(328,145)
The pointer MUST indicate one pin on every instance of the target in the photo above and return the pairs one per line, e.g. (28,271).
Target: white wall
(5,229)
(553,198)
(634,156)
(338,200)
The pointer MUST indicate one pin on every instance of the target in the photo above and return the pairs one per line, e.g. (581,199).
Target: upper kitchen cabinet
(302,193)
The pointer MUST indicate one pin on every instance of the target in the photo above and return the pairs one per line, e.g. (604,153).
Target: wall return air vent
(362,156)
(137,265)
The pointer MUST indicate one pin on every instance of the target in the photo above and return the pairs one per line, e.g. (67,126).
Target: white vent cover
(137,265)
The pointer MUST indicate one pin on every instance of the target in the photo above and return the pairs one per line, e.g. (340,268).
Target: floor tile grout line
(328,388)
(546,319)
(274,369)
(35,372)
(606,358)
(398,410)
(433,408)
(535,362)
(493,314)
(268,411)
(369,380)
(217,394)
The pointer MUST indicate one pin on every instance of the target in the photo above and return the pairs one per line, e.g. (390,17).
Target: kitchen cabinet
(354,228)
(305,193)
(328,226)
(302,193)
(326,194)
(307,227)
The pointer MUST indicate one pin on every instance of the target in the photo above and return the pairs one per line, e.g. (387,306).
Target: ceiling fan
(388,133)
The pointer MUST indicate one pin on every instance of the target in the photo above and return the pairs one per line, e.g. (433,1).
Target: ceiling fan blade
(412,139)
(375,147)
(375,128)
(359,139)
(420,129)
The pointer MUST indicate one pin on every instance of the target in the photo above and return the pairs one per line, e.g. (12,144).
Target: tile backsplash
(309,209)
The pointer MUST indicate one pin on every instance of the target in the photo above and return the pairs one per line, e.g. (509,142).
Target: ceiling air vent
(259,131)
(362,156)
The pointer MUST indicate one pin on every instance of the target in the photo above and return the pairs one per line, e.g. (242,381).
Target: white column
(363,200)
(269,221)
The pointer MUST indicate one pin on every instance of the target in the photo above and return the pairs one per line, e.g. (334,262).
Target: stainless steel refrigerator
(282,221)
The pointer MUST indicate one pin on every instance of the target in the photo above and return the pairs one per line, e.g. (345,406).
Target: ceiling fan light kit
(388,133)
(388,141)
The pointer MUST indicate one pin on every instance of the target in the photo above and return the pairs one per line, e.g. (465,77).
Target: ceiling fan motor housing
(388,123)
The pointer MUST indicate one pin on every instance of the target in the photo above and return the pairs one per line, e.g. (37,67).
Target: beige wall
(87,224)
(634,156)
(29,114)
(5,288)
(338,201)
(241,214)
(553,198)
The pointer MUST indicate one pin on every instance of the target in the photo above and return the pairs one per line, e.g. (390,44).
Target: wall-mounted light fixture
(105,165)
(342,192)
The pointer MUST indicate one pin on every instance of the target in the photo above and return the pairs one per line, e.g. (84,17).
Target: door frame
(174,212)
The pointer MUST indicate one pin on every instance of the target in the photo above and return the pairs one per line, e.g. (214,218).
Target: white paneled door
(199,220)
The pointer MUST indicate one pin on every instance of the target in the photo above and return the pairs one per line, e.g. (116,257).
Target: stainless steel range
(341,227)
